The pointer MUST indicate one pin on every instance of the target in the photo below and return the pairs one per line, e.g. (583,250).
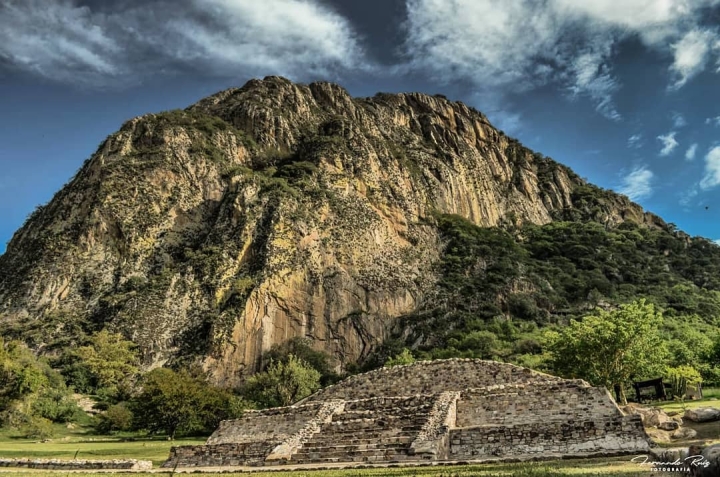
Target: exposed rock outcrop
(268,212)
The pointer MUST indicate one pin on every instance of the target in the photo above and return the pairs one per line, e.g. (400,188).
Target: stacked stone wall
(430,377)
(433,440)
(58,464)
(220,455)
(526,403)
(605,436)
(275,425)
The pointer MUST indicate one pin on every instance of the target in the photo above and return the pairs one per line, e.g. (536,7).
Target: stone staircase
(369,430)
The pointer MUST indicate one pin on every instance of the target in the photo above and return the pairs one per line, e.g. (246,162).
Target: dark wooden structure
(658,388)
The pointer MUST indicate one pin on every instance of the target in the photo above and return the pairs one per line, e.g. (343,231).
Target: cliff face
(267,212)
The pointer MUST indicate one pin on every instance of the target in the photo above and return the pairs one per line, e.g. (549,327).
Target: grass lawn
(611,467)
(681,406)
(87,445)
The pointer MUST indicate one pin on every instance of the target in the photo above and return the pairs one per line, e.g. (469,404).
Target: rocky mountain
(273,211)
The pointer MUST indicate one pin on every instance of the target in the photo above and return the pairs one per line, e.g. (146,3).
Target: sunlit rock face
(268,212)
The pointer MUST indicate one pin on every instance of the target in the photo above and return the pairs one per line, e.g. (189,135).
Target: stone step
(390,409)
(364,434)
(390,414)
(339,451)
(336,453)
(356,458)
(371,423)
(357,447)
(401,439)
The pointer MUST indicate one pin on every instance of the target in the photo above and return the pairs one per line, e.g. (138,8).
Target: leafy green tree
(611,347)
(405,357)
(117,417)
(56,405)
(111,360)
(283,383)
(680,378)
(302,349)
(180,403)
(21,373)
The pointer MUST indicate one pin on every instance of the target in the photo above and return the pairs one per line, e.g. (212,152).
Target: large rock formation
(452,410)
(268,212)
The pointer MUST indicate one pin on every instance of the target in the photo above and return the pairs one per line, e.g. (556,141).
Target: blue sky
(625,92)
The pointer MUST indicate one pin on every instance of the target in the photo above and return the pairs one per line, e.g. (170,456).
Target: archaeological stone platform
(457,409)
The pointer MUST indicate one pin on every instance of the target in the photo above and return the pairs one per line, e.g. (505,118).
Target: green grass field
(616,467)
(81,441)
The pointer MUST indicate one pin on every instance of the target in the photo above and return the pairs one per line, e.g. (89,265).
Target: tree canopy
(611,347)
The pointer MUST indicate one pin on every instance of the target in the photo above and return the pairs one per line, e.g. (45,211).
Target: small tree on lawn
(180,403)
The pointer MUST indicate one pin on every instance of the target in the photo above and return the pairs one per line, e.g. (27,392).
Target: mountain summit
(274,211)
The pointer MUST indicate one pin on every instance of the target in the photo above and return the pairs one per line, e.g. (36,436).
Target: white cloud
(508,47)
(124,41)
(678,120)
(638,183)
(669,143)
(57,40)
(634,141)
(713,121)
(691,55)
(712,169)
(689,195)
(716,241)
(690,153)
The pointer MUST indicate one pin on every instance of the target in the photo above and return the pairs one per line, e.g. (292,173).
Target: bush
(55,405)
(116,418)
(403,358)
(283,383)
(302,349)
(180,403)
(38,428)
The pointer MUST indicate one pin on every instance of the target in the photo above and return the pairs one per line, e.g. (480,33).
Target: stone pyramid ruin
(443,410)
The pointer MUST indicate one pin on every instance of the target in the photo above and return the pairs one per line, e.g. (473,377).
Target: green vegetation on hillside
(502,289)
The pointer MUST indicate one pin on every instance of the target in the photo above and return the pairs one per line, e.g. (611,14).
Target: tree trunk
(623,398)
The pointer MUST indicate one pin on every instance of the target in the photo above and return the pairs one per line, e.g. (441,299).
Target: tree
(680,378)
(179,403)
(116,418)
(110,359)
(405,357)
(302,349)
(283,383)
(21,373)
(611,347)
